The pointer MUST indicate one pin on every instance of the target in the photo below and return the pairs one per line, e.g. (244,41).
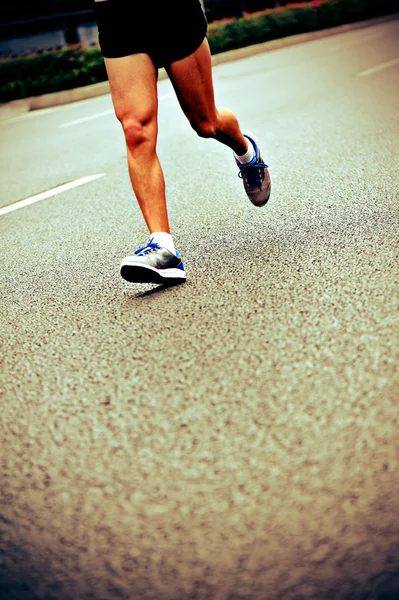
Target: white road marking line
(110,111)
(41,112)
(385,65)
(53,192)
(104,113)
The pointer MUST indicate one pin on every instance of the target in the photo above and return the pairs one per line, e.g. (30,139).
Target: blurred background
(27,26)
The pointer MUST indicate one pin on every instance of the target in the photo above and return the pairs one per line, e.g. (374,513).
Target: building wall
(29,43)
(88,34)
(45,33)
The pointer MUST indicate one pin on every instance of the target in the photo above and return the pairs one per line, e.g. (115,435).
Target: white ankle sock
(164,240)
(248,156)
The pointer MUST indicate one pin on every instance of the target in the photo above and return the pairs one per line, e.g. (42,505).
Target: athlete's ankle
(246,157)
(164,240)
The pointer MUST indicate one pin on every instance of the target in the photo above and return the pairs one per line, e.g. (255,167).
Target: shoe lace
(150,247)
(253,173)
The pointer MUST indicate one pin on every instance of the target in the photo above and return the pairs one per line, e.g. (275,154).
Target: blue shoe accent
(250,171)
(255,176)
(180,266)
(147,248)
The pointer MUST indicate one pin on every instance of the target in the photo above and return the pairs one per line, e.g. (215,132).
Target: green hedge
(52,71)
(282,22)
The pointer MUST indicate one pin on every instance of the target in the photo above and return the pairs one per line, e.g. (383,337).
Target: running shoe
(153,264)
(255,176)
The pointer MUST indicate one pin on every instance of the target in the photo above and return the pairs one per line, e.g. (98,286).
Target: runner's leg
(133,81)
(192,80)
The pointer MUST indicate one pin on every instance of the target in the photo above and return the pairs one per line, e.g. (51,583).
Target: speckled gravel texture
(236,437)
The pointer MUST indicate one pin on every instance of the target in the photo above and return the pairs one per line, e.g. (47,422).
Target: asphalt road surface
(235,437)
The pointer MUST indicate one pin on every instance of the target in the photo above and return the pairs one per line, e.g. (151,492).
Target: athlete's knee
(138,129)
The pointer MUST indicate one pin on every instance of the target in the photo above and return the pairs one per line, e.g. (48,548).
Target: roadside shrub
(281,22)
(52,71)
(328,15)
(307,19)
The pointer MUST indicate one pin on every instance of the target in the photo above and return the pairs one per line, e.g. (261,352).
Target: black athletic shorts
(167,30)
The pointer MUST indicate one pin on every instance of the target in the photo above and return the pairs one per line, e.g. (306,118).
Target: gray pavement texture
(235,437)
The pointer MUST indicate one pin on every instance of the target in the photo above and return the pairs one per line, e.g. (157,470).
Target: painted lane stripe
(385,65)
(104,113)
(53,192)
(110,111)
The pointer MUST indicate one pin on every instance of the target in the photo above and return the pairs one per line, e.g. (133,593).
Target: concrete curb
(18,107)
(67,96)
